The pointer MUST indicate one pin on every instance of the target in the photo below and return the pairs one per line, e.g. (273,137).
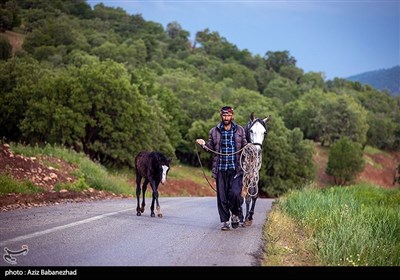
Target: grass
(9,185)
(286,249)
(373,151)
(343,226)
(186,172)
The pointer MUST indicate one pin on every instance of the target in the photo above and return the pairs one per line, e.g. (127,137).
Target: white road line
(50,230)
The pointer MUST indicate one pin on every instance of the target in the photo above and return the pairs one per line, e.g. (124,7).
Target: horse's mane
(161,158)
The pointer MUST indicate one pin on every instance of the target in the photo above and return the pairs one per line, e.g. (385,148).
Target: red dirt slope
(379,169)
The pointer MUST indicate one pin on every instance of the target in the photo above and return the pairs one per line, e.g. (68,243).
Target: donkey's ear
(267,119)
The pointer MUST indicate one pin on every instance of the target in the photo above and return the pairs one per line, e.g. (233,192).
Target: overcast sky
(339,38)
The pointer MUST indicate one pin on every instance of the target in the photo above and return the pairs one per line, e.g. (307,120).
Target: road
(108,233)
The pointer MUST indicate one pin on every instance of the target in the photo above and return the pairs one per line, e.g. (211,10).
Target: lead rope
(250,163)
(202,169)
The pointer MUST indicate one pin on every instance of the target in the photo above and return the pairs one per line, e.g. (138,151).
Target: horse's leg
(154,185)
(159,214)
(253,204)
(248,221)
(144,188)
(138,179)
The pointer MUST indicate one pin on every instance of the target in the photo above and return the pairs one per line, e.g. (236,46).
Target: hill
(379,170)
(383,79)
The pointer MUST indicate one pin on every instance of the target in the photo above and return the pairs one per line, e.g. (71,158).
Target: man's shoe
(235,221)
(225,226)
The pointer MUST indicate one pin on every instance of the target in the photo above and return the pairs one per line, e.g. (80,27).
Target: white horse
(251,159)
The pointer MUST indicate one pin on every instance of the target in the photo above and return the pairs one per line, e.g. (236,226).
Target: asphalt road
(108,233)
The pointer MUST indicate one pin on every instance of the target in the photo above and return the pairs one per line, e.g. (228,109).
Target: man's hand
(201,142)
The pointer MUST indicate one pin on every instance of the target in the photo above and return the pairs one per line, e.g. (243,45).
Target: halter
(248,127)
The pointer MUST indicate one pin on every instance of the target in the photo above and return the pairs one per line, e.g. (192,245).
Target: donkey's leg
(138,179)
(144,188)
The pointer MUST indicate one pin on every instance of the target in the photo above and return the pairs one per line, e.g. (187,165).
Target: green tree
(276,60)
(5,48)
(240,75)
(9,15)
(311,80)
(18,77)
(282,89)
(345,161)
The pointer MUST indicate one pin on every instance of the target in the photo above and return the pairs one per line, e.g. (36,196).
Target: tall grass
(356,225)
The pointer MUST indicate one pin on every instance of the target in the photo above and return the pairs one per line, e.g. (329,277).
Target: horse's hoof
(152,215)
(159,215)
(248,223)
(142,210)
(138,214)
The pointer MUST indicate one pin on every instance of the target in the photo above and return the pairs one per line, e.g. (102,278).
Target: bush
(345,161)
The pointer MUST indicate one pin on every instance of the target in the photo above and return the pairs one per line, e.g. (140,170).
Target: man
(227,139)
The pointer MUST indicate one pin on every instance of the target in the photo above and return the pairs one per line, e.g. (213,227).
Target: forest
(110,84)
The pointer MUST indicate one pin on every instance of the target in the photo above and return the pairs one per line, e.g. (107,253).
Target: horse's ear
(267,119)
(252,116)
(169,159)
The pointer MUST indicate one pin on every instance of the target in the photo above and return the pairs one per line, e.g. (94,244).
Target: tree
(178,38)
(283,89)
(276,60)
(5,48)
(345,161)
(240,75)
(9,15)
(18,76)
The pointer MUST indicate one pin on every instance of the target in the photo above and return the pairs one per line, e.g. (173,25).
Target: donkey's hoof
(138,214)
(159,215)
(152,215)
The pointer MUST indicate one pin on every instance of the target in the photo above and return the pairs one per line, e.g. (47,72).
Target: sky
(339,38)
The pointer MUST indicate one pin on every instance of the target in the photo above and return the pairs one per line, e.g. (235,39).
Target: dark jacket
(214,143)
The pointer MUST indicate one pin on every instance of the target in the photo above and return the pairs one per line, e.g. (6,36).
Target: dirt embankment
(38,171)
(380,169)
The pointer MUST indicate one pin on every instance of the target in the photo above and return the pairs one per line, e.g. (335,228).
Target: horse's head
(164,163)
(256,129)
